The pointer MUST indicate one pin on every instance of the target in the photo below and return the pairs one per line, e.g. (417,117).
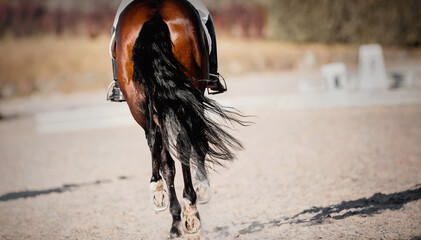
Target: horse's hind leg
(202,187)
(191,219)
(168,172)
(160,198)
(201,183)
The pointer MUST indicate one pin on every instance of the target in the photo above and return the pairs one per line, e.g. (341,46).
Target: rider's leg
(116,95)
(213,60)
(213,56)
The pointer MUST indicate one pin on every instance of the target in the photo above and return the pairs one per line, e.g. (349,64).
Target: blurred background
(334,85)
(55,46)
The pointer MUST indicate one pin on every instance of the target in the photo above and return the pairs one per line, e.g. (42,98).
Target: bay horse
(162,67)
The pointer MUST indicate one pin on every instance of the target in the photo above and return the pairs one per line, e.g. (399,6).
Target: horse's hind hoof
(203,191)
(197,236)
(160,199)
(175,232)
(191,222)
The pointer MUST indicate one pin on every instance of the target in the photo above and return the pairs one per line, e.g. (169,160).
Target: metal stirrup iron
(115,95)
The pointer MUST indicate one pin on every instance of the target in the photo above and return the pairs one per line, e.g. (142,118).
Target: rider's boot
(115,95)
(215,84)
(215,78)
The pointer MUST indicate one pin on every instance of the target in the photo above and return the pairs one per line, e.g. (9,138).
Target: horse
(162,67)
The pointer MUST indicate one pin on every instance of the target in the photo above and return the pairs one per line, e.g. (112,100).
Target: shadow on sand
(66,187)
(363,207)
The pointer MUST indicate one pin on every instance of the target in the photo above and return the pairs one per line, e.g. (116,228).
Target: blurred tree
(388,22)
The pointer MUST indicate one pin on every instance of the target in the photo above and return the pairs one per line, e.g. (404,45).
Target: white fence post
(372,72)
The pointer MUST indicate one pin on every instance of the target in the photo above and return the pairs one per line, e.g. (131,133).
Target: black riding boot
(115,95)
(215,83)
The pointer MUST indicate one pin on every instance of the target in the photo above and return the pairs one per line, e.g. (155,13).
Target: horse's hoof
(175,232)
(203,191)
(191,222)
(197,236)
(160,198)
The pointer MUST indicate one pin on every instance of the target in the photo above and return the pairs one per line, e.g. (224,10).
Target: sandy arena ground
(349,172)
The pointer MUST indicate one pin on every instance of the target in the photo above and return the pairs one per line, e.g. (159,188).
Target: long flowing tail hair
(190,123)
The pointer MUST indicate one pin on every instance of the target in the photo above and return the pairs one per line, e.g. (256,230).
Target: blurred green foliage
(388,22)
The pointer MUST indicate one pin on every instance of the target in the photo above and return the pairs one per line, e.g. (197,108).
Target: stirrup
(215,86)
(115,95)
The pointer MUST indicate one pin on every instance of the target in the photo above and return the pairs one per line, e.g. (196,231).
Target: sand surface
(327,173)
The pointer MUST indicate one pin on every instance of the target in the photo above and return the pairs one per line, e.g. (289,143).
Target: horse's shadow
(35,193)
(363,207)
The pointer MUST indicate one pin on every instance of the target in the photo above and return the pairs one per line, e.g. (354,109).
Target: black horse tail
(186,118)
